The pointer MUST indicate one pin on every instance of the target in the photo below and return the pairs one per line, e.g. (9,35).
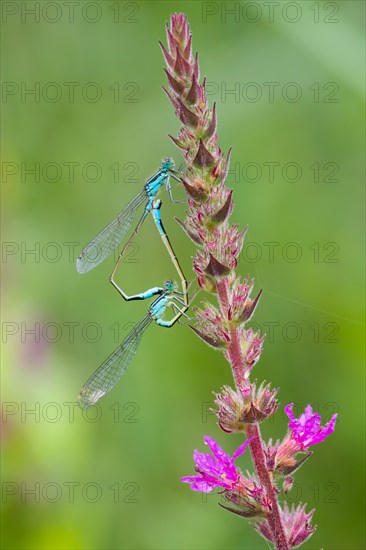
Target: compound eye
(170,285)
(168,163)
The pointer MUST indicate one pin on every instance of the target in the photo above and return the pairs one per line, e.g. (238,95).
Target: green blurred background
(110,479)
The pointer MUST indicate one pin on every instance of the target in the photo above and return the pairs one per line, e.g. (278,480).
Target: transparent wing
(103,245)
(108,374)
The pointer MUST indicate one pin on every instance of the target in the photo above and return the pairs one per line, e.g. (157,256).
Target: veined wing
(108,239)
(108,374)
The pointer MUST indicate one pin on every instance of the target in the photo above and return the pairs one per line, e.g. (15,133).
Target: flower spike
(222,322)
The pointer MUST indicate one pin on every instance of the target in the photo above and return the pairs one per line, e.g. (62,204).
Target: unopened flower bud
(283,457)
(296,523)
(211,326)
(237,408)
(249,497)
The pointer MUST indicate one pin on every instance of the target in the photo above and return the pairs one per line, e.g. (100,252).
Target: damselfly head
(170,285)
(168,164)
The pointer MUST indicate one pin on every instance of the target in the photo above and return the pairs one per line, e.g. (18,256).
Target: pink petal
(216,449)
(242,448)
(288,410)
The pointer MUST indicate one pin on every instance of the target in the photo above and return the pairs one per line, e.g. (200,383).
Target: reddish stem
(253,430)
(234,351)
(264,476)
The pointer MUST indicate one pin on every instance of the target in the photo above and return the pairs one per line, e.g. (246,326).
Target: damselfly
(108,374)
(111,236)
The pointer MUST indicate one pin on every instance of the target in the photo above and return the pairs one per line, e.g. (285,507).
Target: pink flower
(218,470)
(306,429)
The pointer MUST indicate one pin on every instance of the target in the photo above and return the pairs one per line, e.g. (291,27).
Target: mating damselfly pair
(113,368)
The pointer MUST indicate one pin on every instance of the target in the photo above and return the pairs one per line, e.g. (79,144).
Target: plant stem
(234,350)
(253,430)
(259,461)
